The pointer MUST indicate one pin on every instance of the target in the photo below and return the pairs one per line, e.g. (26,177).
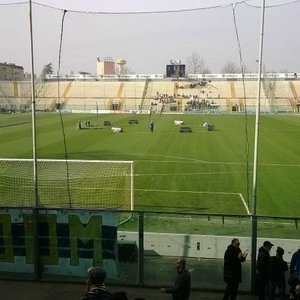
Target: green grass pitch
(203,171)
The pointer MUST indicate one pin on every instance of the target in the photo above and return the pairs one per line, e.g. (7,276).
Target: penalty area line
(245,204)
(199,192)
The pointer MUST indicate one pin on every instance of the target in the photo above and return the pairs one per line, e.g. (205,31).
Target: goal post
(68,183)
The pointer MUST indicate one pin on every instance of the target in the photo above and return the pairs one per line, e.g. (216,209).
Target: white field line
(245,204)
(199,192)
(218,162)
(189,173)
(177,159)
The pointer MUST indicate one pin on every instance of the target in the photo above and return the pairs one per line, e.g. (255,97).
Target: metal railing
(141,251)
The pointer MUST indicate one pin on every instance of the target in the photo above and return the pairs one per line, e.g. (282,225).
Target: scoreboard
(175,71)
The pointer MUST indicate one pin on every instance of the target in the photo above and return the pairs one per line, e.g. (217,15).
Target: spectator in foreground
(294,279)
(182,284)
(297,292)
(233,258)
(262,266)
(277,269)
(95,287)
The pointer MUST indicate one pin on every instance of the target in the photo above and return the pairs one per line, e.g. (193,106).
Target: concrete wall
(201,246)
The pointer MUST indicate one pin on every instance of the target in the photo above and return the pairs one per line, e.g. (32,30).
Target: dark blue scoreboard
(175,71)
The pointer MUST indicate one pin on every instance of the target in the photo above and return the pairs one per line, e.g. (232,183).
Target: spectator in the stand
(164,98)
(277,269)
(95,286)
(233,259)
(182,284)
(262,266)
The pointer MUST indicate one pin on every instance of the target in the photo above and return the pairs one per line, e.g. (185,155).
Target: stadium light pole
(34,155)
(255,160)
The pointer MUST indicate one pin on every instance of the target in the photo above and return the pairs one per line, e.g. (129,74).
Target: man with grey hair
(95,287)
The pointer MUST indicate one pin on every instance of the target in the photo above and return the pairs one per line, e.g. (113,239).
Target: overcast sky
(148,41)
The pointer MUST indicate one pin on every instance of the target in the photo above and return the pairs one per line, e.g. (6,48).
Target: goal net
(67,183)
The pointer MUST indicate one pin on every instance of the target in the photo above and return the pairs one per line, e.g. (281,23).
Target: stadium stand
(277,95)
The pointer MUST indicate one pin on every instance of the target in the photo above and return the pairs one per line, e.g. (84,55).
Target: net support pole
(34,155)
(141,250)
(131,187)
(255,160)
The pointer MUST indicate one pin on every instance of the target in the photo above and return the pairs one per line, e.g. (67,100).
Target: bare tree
(127,70)
(230,68)
(196,64)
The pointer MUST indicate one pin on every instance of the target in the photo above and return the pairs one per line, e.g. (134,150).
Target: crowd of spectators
(163,99)
(270,271)
(195,103)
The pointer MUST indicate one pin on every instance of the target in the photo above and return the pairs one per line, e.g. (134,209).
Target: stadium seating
(161,96)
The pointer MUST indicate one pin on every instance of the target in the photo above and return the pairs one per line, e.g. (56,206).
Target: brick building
(11,72)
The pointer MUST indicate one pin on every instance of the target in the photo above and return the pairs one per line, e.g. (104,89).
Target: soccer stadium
(85,180)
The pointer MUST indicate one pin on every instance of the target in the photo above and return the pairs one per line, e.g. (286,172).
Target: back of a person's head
(96,275)
(182,262)
(280,251)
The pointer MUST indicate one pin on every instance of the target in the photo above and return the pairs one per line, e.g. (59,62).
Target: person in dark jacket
(294,273)
(277,269)
(182,284)
(262,266)
(95,286)
(151,126)
(233,259)
(295,262)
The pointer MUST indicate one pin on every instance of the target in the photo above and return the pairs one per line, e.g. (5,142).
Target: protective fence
(194,60)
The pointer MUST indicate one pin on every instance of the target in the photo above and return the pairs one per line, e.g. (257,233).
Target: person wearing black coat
(295,262)
(233,259)
(294,279)
(277,269)
(182,284)
(262,266)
